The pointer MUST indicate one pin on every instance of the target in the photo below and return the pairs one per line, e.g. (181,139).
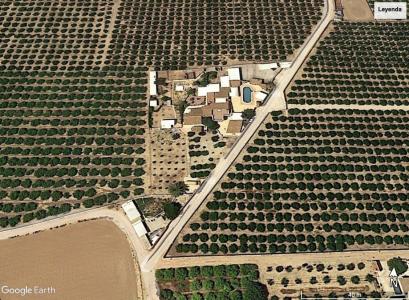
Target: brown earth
(357,10)
(89,260)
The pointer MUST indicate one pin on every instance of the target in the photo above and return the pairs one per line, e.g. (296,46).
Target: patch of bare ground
(357,10)
(88,260)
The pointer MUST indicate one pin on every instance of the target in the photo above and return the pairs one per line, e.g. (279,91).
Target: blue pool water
(247,94)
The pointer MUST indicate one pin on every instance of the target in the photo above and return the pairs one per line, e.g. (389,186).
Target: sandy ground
(89,260)
(357,10)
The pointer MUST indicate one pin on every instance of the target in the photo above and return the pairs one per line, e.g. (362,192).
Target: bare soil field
(357,10)
(89,260)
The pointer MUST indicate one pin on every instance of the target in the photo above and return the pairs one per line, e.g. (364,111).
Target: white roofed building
(225,81)
(167,124)
(285,64)
(202,91)
(234,92)
(234,73)
(135,218)
(213,88)
(267,66)
(131,211)
(179,88)
(260,96)
(153,89)
(139,228)
(153,102)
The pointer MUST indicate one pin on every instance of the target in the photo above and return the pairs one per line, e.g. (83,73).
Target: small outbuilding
(167,123)
(153,102)
(153,89)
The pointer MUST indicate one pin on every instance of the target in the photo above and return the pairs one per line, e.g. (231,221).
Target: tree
(398,264)
(172,209)
(370,278)
(210,124)
(254,290)
(177,189)
(248,114)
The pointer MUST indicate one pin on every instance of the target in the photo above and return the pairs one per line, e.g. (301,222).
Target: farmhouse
(223,95)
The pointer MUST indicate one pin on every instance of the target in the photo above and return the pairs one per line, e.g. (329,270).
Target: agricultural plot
(69,140)
(50,35)
(186,33)
(168,160)
(316,180)
(316,280)
(211,282)
(358,63)
(205,150)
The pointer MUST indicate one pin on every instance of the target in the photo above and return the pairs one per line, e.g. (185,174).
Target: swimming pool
(247,94)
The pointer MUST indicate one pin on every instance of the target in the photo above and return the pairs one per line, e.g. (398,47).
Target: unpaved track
(351,106)
(284,259)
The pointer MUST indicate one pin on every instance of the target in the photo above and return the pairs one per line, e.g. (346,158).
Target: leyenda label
(390,10)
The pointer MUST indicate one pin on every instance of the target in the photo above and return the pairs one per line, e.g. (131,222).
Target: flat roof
(153,103)
(167,123)
(202,91)
(285,64)
(179,88)
(225,81)
(139,228)
(267,66)
(153,89)
(210,88)
(131,211)
(234,73)
(213,88)
(260,96)
(234,91)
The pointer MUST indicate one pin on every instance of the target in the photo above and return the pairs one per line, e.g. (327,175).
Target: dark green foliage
(172,209)
(398,264)
(177,189)
(214,282)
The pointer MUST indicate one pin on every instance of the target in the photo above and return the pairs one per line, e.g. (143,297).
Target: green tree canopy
(177,189)
(398,264)
(172,210)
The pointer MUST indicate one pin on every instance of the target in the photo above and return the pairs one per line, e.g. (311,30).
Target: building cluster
(222,100)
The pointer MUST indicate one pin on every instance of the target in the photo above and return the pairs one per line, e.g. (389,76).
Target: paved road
(274,102)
